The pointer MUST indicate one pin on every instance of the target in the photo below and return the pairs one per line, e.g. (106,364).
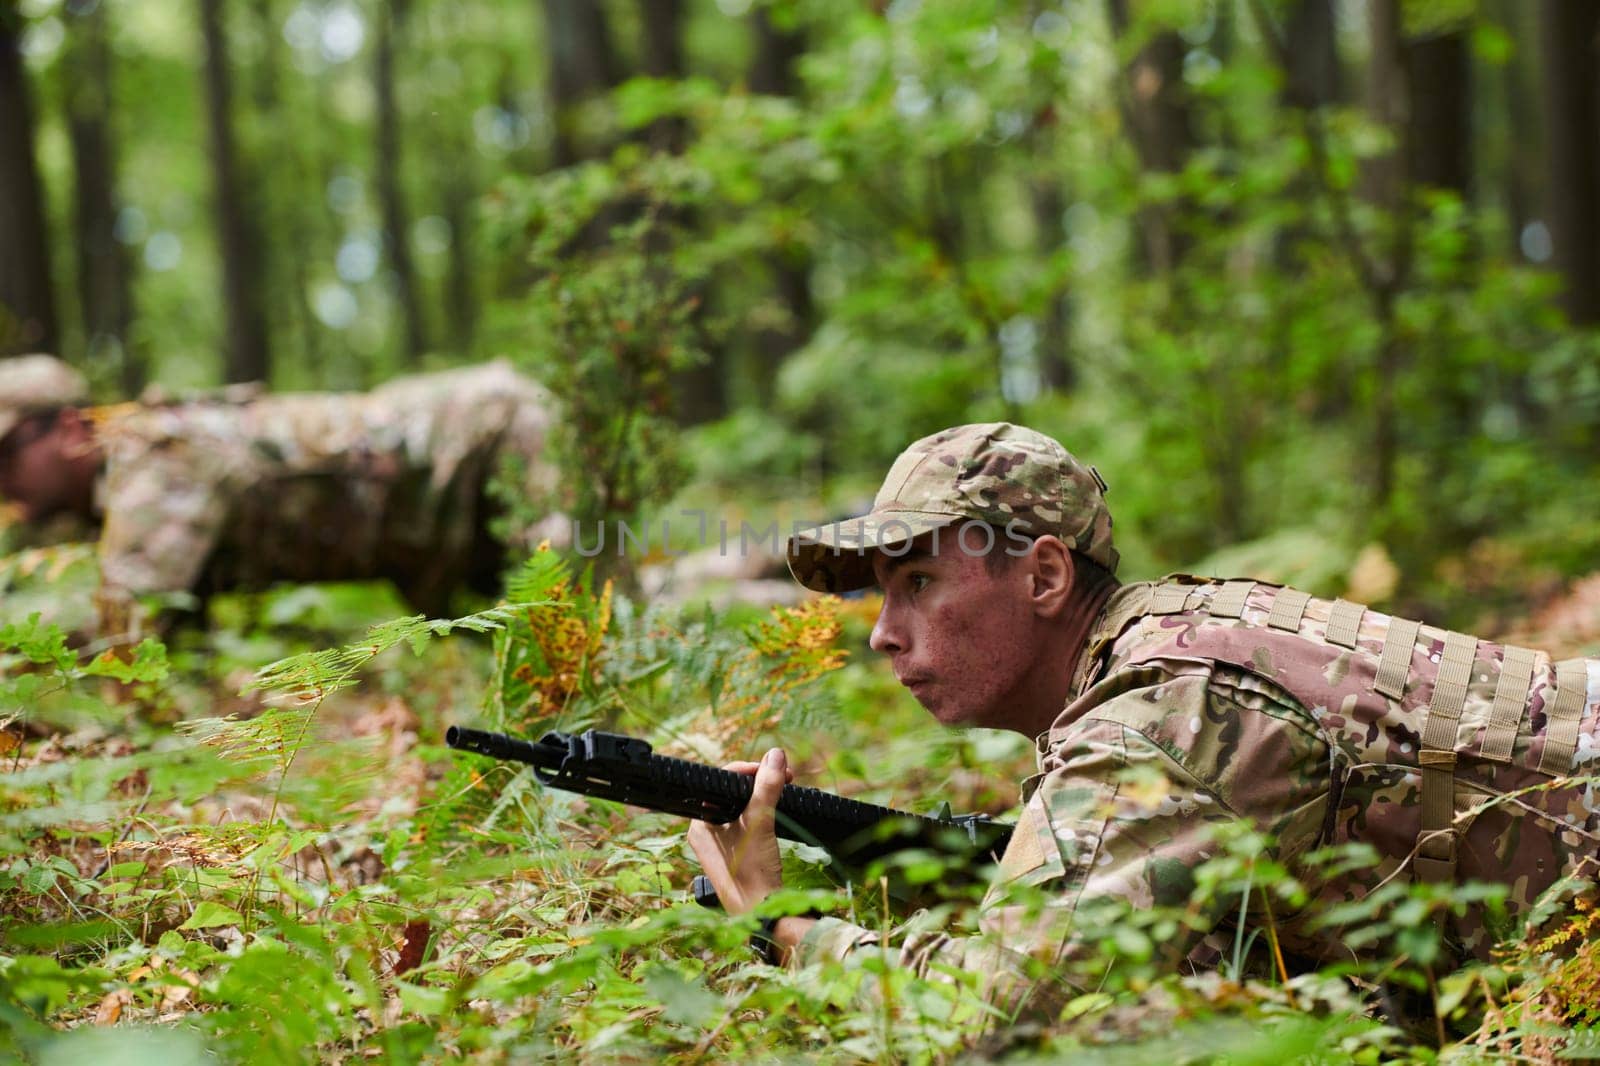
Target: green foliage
(483,916)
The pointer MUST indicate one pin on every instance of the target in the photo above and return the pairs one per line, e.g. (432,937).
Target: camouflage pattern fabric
(1007,476)
(30,383)
(1249,702)
(302,487)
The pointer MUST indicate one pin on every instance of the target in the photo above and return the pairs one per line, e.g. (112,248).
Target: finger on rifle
(769,782)
(749,769)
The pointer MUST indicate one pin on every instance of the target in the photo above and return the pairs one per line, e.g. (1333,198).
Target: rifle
(625,769)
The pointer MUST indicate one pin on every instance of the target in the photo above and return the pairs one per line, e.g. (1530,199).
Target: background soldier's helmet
(1007,476)
(33,383)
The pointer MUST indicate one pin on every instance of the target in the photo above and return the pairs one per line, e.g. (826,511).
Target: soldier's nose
(884,638)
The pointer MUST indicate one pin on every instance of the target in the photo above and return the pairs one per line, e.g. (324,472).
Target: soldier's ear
(1053,575)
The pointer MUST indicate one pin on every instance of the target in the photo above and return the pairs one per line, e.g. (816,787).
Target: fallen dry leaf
(110,1008)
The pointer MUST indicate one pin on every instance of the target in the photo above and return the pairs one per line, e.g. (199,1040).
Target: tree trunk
(583,64)
(662,54)
(391,17)
(776,53)
(1570,52)
(1439,128)
(1387,185)
(104,289)
(460,294)
(1055,364)
(1158,117)
(1313,53)
(1384,178)
(1521,140)
(288,165)
(248,353)
(27,302)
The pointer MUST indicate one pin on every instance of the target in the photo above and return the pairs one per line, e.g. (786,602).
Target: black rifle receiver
(625,769)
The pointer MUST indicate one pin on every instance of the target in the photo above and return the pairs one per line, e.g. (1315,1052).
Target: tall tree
(248,351)
(1314,79)
(1439,126)
(391,18)
(27,301)
(1158,114)
(287,162)
(1517,152)
(662,56)
(104,272)
(1387,185)
(1570,56)
(775,54)
(583,64)
(458,194)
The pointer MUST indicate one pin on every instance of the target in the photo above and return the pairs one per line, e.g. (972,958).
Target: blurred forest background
(1315,283)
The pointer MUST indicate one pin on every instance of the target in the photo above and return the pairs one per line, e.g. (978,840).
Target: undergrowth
(313,877)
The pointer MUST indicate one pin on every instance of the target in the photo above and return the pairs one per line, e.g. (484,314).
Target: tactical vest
(1484,725)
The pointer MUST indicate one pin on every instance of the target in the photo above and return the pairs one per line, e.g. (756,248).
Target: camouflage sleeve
(164,510)
(1119,816)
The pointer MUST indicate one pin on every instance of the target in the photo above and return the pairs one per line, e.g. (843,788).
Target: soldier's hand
(741,858)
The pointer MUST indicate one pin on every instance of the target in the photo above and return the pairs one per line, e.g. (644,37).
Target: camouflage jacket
(1318,721)
(208,495)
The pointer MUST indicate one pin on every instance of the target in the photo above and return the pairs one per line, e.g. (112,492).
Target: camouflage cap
(30,383)
(1007,476)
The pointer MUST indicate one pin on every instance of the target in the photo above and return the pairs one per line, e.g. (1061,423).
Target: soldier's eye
(919,581)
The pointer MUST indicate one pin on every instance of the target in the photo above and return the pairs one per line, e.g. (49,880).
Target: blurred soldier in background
(199,496)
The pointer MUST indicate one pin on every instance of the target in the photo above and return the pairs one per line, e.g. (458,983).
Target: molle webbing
(1510,699)
(1449,692)
(1565,716)
(1170,599)
(1344,623)
(1288,607)
(1394,665)
(1230,599)
(1436,846)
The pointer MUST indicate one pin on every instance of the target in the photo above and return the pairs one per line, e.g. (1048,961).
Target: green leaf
(149,663)
(211,914)
(685,1000)
(39,880)
(423,1000)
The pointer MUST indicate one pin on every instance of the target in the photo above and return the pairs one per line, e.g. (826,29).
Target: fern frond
(268,738)
(538,577)
(313,675)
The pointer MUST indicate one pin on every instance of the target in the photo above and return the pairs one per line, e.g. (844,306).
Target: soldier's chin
(942,711)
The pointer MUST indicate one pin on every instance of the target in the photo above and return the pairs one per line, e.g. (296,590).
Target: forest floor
(304,873)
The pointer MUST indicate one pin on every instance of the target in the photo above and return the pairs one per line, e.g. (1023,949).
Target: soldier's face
(962,635)
(38,472)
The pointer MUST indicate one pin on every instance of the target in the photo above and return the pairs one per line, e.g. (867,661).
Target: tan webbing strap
(1510,700)
(1394,665)
(1344,623)
(1436,845)
(1449,692)
(1436,840)
(1288,607)
(1170,599)
(1566,715)
(1230,599)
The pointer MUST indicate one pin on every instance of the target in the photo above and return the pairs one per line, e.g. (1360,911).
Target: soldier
(1161,709)
(196,497)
